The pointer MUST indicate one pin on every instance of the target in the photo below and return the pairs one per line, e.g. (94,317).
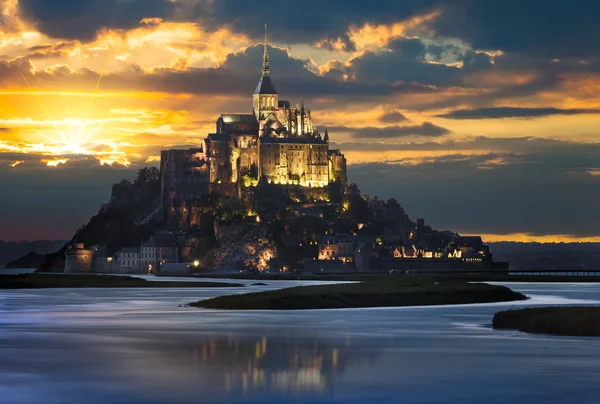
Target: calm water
(139,346)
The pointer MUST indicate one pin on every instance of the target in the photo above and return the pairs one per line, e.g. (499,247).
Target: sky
(483,117)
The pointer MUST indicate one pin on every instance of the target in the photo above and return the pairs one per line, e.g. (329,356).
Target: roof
(238,118)
(265,86)
(149,243)
(133,250)
(223,137)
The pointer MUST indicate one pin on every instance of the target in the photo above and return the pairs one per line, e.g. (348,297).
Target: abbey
(277,143)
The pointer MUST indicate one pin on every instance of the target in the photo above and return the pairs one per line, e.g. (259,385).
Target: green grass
(367,294)
(40,281)
(573,321)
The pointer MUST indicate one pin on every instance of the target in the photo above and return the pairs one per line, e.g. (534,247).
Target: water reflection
(140,346)
(236,365)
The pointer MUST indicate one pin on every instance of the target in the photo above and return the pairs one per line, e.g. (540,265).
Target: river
(141,346)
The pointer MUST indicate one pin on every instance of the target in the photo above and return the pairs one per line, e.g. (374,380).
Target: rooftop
(265,86)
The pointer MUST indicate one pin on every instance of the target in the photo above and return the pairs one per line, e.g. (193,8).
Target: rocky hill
(244,246)
(10,251)
(129,217)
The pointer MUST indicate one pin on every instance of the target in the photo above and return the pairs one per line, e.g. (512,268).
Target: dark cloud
(541,82)
(426,129)
(549,28)
(57,50)
(403,61)
(82,19)
(306,22)
(476,194)
(393,117)
(514,112)
(237,76)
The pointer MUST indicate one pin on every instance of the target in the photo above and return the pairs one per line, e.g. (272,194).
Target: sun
(78,137)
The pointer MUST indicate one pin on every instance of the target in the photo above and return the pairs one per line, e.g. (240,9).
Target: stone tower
(265,98)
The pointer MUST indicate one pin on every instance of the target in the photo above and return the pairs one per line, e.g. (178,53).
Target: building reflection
(241,365)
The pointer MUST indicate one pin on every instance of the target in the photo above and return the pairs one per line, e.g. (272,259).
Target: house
(157,251)
(337,247)
(127,260)
(346,249)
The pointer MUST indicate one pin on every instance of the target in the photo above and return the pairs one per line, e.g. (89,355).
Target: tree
(147,176)
(393,204)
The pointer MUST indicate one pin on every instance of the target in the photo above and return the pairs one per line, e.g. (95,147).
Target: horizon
(478,128)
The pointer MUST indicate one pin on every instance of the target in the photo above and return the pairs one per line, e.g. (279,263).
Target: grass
(367,294)
(40,281)
(572,321)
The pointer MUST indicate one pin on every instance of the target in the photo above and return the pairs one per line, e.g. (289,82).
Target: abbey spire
(265,98)
(265,66)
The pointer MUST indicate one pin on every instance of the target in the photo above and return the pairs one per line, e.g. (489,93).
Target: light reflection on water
(138,345)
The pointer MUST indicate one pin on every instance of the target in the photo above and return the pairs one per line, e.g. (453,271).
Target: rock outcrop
(246,246)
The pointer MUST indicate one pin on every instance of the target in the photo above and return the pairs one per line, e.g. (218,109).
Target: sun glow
(55,162)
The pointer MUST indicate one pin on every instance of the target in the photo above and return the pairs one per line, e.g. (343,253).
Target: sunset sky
(483,117)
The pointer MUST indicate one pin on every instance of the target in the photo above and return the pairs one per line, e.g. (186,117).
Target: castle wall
(185,176)
(298,163)
(79,261)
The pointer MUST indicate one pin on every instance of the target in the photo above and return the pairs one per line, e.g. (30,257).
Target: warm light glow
(196,263)
(532,238)
(16,163)
(54,163)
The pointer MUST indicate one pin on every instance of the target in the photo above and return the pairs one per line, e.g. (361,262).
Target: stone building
(78,259)
(185,177)
(127,260)
(346,249)
(276,143)
(157,251)
(337,247)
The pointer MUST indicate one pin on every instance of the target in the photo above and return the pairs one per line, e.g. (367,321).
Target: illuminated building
(277,143)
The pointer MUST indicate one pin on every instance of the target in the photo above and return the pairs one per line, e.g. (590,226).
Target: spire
(326,137)
(265,66)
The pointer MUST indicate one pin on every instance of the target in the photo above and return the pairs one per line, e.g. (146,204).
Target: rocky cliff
(246,246)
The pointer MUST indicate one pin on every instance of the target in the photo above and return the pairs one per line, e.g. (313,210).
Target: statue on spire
(265,66)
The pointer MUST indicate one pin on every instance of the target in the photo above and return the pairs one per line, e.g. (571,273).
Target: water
(140,346)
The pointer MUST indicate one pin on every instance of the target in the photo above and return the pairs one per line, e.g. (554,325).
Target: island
(381,293)
(571,321)
(40,281)
(265,190)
